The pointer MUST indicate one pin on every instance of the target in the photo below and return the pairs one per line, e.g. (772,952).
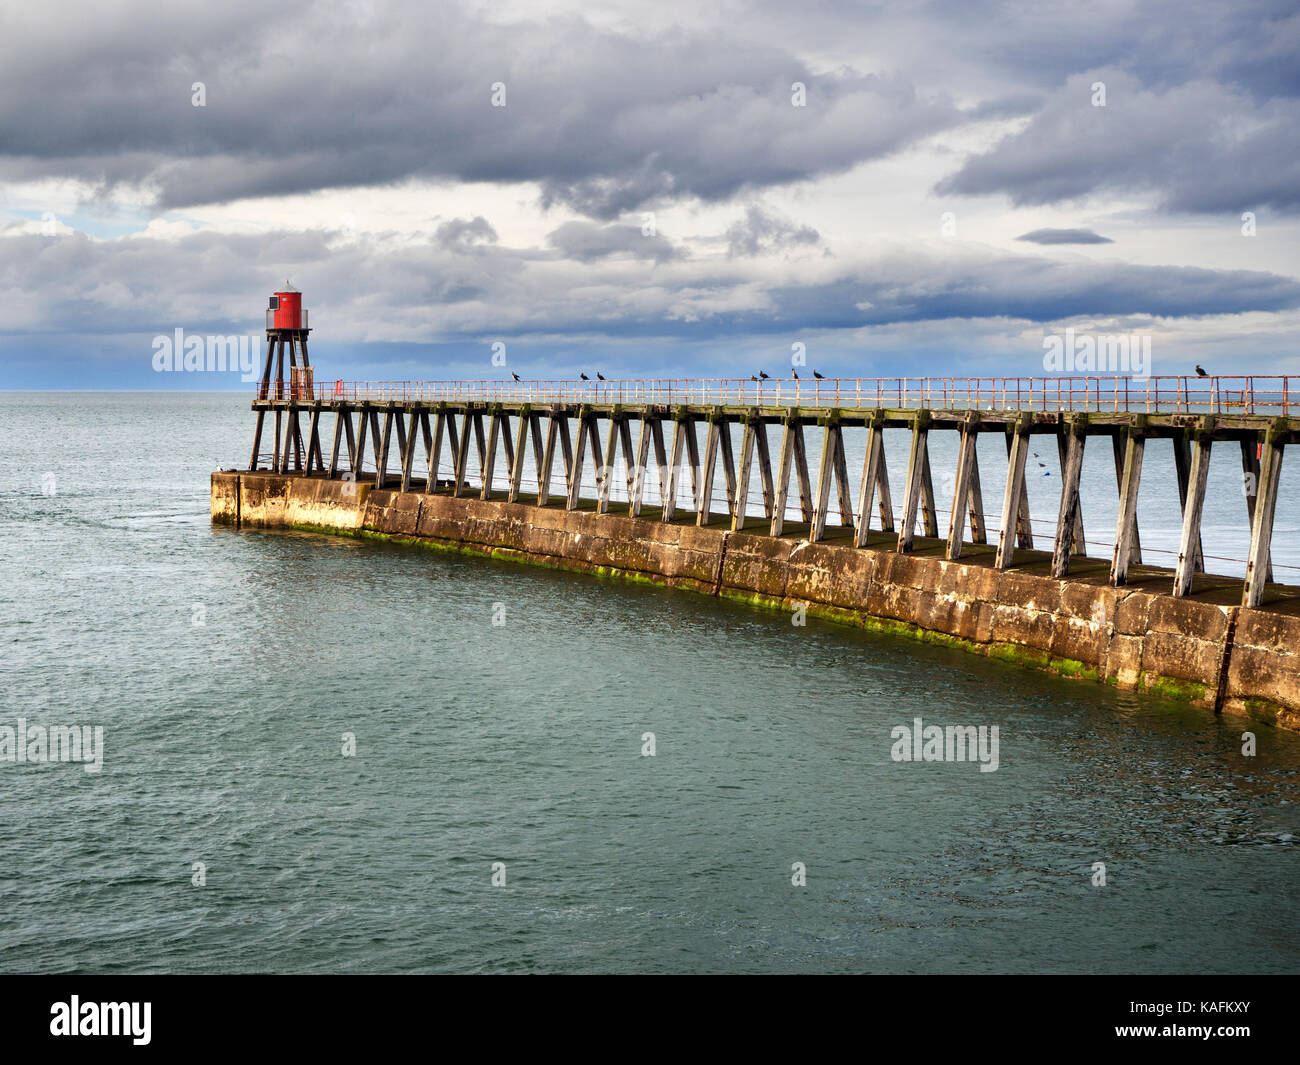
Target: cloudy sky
(648,189)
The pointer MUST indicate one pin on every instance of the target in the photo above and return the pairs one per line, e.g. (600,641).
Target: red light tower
(286,330)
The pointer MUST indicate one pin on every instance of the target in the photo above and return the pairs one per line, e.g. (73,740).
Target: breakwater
(1220,655)
(443,463)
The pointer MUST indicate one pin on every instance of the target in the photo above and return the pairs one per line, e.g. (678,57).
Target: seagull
(762,376)
(818,376)
(584,377)
(514,375)
(1200,371)
(600,375)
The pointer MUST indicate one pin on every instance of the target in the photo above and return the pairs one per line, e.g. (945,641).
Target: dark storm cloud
(302,97)
(588,241)
(465,233)
(1199,147)
(1064,236)
(761,233)
(425,292)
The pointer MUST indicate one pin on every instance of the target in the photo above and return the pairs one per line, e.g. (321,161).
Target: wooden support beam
(917,463)
(1118,443)
(337,445)
(801,471)
(740,504)
(257,439)
(381,472)
(669,499)
(693,458)
(605,466)
(275,444)
(884,501)
(1068,524)
(788,434)
(433,453)
(377,443)
(313,440)
(353,453)
(462,452)
(431,479)
(363,416)
(1024,527)
(480,443)
(535,431)
(661,456)
(962,487)
(1078,546)
(728,465)
(548,459)
(764,468)
(1250,473)
(490,457)
(286,445)
(517,459)
(636,487)
(978,525)
(406,445)
(1183,467)
(586,427)
(1189,544)
(840,464)
(633,466)
(507,441)
(400,426)
(1261,530)
(871,467)
(929,511)
(1013,498)
(566,452)
(704,504)
(1126,523)
(825,471)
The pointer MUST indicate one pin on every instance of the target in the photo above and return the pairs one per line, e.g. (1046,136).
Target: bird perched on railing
(600,375)
(762,376)
(818,376)
(514,375)
(1200,371)
(794,374)
(584,377)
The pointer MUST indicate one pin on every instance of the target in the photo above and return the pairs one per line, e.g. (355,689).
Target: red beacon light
(286,349)
(285,311)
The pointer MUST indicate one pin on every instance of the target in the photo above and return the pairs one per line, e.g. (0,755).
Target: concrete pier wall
(1226,658)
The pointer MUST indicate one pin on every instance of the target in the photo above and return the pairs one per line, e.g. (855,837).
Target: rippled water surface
(522,743)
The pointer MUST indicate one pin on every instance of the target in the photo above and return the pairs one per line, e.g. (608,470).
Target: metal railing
(1261,395)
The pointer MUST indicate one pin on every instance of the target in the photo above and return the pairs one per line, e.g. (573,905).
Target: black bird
(1200,371)
(584,377)
(514,375)
(794,375)
(600,375)
(752,377)
(818,376)
(762,376)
